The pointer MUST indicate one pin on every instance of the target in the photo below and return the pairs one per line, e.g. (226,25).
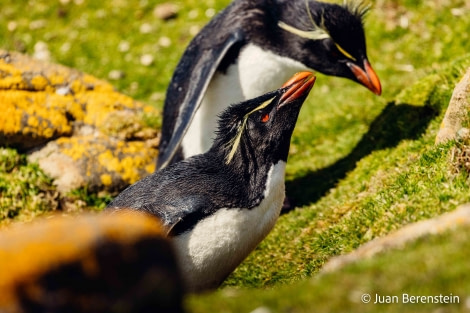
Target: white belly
(218,244)
(256,72)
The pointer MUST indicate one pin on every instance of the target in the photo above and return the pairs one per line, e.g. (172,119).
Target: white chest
(218,244)
(256,72)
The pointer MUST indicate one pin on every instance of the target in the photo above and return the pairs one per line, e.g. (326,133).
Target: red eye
(265,118)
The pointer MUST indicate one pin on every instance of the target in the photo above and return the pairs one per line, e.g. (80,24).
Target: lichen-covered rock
(96,137)
(120,262)
(97,161)
(457,114)
(42,101)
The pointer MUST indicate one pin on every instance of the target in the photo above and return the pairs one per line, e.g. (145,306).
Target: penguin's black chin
(297,88)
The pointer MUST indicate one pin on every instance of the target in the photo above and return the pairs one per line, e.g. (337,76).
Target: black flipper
(182,101)
(181,215)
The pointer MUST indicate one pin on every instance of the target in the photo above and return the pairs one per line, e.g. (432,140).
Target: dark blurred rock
(119,262)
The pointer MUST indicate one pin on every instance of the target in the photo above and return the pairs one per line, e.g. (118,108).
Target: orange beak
(299,85)
(367,77)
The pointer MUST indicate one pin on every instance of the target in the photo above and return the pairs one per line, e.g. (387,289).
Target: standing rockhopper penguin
(250,48)
(219,205)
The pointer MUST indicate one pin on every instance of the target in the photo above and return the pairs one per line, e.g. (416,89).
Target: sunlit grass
(360,166)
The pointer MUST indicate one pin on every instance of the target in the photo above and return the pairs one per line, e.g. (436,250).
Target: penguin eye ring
(265,118)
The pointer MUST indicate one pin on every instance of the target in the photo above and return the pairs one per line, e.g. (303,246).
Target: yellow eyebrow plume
(344,52)
(315,34)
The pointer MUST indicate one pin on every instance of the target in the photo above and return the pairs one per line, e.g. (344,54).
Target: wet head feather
(357,8)
(234,142)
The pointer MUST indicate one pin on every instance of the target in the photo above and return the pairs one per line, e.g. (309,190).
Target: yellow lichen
(36,110)
(148,109)
(106,179)
(8,68)
(100,104)
(109,161)
(33,121)
(39,82)
(129,160)
(11,118)
(48,132)
(57,79)
(12,82)
(72,147)
(150,168)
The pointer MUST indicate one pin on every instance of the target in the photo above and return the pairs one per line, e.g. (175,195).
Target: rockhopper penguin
(250,48)
(219,205)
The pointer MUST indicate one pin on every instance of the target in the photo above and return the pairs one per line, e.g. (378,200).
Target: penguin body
(220,242)
(249,49)
(219,205)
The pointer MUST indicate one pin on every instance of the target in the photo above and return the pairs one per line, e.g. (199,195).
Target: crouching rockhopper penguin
(218,206)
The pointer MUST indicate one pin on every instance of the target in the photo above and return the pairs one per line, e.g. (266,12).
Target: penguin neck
(250,170)
(260,70)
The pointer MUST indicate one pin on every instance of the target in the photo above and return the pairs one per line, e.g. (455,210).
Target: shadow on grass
(394,124)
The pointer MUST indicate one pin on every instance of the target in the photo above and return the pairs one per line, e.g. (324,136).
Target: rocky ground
(79,130)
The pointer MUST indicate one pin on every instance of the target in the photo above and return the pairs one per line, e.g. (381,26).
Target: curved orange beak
(299,85)
(366,76)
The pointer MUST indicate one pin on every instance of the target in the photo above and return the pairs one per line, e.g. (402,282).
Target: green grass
(92,201)
(360,166)
(389,274)
(90,35)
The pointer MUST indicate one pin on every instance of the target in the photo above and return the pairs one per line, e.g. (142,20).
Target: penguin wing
(187,89)
(180,215)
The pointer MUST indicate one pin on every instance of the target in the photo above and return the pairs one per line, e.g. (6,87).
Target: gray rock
(457,113)
(437,225)
(166,11)
(95,161)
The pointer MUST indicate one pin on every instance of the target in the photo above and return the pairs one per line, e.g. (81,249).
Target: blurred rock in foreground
(117,262)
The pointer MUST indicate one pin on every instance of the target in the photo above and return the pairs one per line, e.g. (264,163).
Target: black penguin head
(258,131)
(326,37)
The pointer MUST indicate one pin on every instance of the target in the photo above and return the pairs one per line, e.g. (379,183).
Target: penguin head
(258,131)
(326,37)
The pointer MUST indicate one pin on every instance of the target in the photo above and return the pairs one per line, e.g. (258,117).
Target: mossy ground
(360,165)
(25,191)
